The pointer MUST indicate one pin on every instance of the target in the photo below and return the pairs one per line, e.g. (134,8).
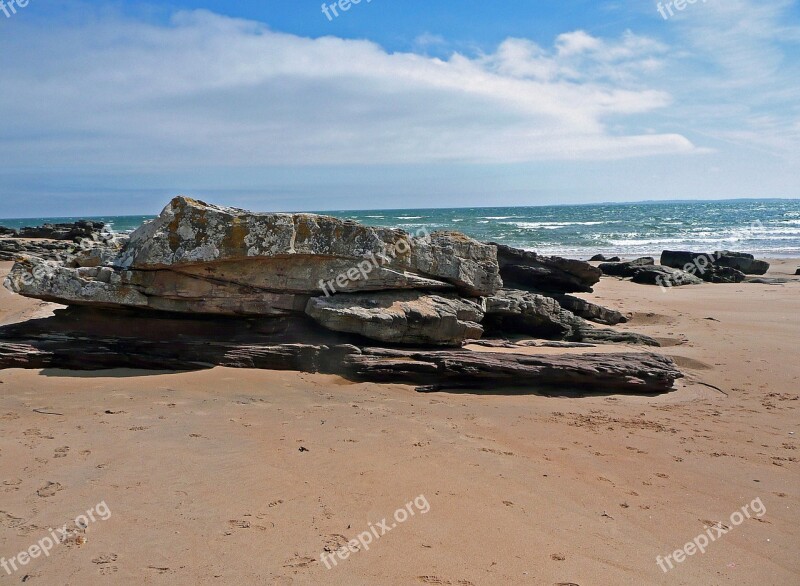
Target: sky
(112,108)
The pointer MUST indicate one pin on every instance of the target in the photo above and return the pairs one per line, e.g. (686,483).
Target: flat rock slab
(85,339)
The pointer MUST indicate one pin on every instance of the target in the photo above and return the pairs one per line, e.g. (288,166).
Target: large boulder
(297,252)
(200,258)
(523,269)
(400,317)
(523,312)
(741,261)
(626,268)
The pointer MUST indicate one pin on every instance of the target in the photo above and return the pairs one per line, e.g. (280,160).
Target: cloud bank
(212,90)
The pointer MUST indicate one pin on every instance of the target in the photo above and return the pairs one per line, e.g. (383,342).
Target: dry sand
(206,482)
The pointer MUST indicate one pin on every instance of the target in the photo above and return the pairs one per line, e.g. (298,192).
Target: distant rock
(524,269)
(15,248)
(400,317)
(603,258)
(741,261)
(73,231)
(626,268)
(8,232)
(718,267)
(664,276)
(797,272)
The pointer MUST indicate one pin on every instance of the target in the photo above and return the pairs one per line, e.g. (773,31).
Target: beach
(235,475)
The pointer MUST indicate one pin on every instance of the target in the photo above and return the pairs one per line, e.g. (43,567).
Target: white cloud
(208,89)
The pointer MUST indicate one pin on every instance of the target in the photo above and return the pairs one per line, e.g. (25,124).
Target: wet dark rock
(664,276)
(522,269)
(626,268)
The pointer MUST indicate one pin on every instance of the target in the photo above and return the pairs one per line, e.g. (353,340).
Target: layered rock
(523,269)
(87,339)
(297,252)
(590,311)
(14,248)
(400,317)
(200,258)
(523,312)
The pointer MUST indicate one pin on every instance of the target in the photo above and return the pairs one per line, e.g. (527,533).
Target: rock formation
(315,293)
(400,317)
(626,268)
(720,267)
(524,269)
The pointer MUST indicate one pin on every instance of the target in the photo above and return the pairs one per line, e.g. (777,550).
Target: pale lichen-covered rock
(200,258)
(51,281)
(297,251)
(400,317)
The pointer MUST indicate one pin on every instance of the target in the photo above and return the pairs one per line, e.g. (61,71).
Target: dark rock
(626,268)
(741,261)
(590,311)
(524,269)
(523,312)
(718,267)
(797,272)
(8,232)
(74,231)
(603,258)
(88,339)
(664,276)
(400,317)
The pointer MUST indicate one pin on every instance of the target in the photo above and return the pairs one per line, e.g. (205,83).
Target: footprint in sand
(61,452)
(49,489)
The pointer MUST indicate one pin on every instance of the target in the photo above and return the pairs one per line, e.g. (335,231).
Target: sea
(769,228)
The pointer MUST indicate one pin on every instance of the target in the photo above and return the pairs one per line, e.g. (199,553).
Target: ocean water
(764,227)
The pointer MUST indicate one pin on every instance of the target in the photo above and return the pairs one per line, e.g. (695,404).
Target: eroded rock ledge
(315,293)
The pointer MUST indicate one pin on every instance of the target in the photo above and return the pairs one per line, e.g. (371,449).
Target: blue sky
(114,107)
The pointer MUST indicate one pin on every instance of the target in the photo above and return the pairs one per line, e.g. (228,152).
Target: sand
(241,476)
